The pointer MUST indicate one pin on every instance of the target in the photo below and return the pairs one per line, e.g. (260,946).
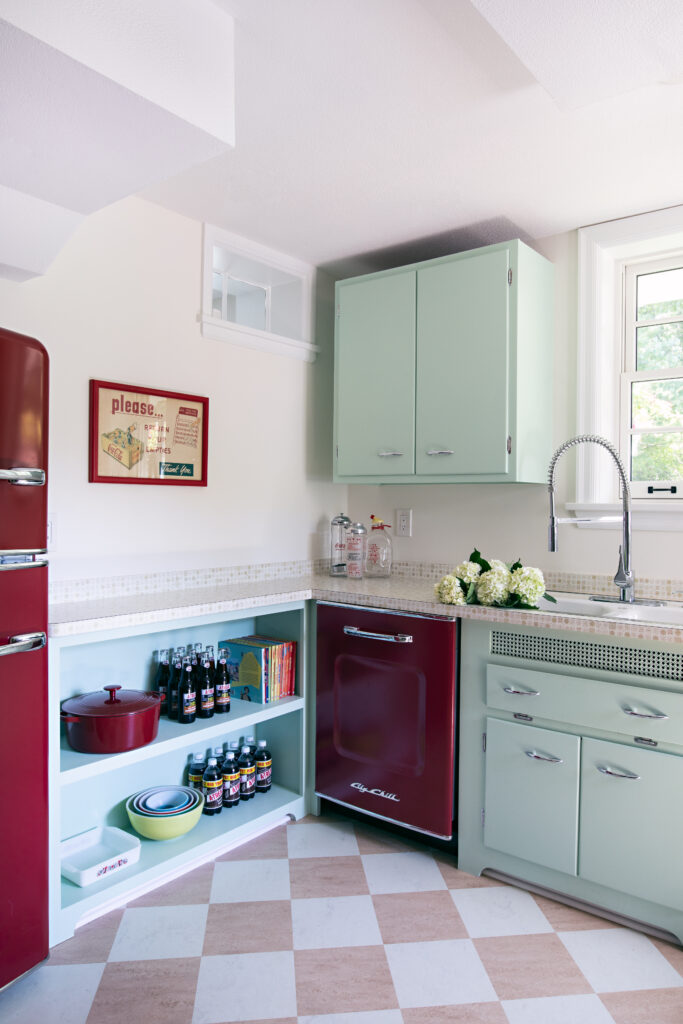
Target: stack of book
(261,668)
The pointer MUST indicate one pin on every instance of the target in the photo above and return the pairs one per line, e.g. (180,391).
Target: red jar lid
(111,700)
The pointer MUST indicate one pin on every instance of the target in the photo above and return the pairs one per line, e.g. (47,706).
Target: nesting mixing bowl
(165,812)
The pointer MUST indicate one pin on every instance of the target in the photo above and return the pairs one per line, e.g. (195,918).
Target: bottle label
(195,779)
(190,703)
(223,694)
(207,699)
(264,774)
(231,785)
(247,779)
(163,693)
(213,792)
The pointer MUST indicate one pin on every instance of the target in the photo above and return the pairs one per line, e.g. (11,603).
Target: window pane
(657,457)
(660,347)
(247,304)
(660,294)
(657,403)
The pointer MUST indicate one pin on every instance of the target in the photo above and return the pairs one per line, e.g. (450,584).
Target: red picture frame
(142,435)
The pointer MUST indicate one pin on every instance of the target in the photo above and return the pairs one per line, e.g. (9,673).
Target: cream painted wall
(507,520)
(120,303)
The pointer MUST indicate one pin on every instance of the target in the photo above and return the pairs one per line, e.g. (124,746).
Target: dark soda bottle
(187,696)
(251,743)
(222,685)
(174,682)
(231,780)
(196,769)
(219,755)
(247,774)
(161,680)
(212,787)
(205,690)
(264,768)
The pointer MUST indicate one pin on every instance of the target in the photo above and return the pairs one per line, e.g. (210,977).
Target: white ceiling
(362,125)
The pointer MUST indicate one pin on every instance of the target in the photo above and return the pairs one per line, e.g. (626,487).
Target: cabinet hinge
(483,817)
(509,445)
(338,312)
(336,452)
(510,276)
(483,742)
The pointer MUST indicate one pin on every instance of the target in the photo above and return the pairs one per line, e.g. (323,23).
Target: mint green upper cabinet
(375,376)
(449,362)
(463,358)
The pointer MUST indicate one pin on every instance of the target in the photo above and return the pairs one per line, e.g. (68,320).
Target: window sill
(222,330)
(664,514)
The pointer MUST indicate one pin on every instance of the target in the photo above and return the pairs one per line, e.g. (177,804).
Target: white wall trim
(249,337)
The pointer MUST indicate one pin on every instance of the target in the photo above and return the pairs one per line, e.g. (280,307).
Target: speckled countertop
(397,593)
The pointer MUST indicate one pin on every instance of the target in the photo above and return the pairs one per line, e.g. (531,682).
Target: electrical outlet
(404,522)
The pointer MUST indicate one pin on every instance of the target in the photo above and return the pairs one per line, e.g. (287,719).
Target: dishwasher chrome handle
(23,642)
(521,693)
(543,757)
(440,451)
(27,477)
(389,455)
(628,710)
(390,638)
(606,770)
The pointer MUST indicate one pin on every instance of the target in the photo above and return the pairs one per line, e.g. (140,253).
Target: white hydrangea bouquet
(493,583)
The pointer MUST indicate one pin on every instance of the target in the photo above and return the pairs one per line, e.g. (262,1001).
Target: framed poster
(147,436)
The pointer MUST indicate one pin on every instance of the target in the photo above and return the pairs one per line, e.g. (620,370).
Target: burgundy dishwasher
(386,715)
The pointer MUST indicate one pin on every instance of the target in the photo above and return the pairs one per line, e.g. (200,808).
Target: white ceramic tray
(97,854)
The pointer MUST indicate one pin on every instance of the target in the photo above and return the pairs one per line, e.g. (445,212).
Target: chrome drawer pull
(440,451)
(391,638)
(606,770)
(521,693)
(23,642)
(27,477)
(388,455)
(543,757)
(628,710)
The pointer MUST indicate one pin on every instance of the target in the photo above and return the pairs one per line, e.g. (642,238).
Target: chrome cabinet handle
(628,710)
(39,563)
(521,693)
(440,451)
(606,770)
(388,455)
(543,757)
(27,477)
(391,638)
(23,642)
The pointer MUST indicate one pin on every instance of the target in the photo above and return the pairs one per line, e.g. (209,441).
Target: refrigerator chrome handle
(26,477)
(23,642)
(39,563)
(391,638)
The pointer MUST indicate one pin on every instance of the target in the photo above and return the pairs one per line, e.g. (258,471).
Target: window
(651,405)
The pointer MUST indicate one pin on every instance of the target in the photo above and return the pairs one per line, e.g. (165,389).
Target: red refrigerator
(23,655)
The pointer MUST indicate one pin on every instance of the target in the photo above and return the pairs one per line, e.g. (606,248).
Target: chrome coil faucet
(624,578)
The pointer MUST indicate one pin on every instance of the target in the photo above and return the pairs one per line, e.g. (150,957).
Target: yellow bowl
(169,827)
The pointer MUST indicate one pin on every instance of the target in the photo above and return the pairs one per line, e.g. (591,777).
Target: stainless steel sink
(670,613)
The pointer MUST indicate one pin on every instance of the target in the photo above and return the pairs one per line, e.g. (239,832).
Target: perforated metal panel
(586,654)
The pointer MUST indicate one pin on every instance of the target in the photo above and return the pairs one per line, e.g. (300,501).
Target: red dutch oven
(125,720)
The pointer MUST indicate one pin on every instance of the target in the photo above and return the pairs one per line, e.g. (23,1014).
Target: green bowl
(169,827)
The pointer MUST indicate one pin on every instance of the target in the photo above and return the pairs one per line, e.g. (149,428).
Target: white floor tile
(557,1010)
(251,986)
(499,910)
(402,872)
(619,960)
(58,995)
(363,1017)
(335,922)
(242,881)
(322,839)
(156,933)
(438,973)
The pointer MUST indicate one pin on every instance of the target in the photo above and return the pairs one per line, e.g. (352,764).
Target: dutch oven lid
(111,700)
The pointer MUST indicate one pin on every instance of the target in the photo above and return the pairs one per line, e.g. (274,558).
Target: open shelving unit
(88,790)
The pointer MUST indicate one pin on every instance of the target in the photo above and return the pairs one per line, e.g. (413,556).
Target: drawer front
(629,711)
(532,794)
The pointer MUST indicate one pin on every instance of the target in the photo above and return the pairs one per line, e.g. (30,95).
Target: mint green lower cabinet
(632,821)
(532,794)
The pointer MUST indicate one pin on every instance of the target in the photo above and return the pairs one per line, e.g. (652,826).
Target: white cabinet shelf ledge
(87,790)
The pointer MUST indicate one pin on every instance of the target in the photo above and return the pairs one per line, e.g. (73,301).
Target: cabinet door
(632,821)
(375,376)
(463,366)
(532,794)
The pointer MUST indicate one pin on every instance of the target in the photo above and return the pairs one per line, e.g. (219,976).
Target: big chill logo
(375,792)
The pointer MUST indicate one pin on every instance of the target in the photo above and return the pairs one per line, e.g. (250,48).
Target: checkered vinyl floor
(328,921)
